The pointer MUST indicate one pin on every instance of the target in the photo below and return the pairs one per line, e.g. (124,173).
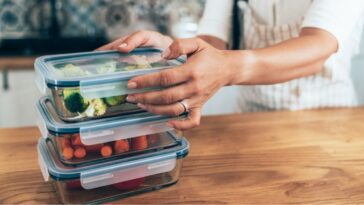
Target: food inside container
(102,182)
(72,151)
(104,139)
(91,85)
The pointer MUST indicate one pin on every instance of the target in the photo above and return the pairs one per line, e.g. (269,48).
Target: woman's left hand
(207,70)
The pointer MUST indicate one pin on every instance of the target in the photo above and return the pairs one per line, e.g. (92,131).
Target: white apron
(320,90)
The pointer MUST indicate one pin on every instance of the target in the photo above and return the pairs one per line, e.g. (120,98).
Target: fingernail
(130,99)
(132,85)
(166,53)
(123,45)
(141,106)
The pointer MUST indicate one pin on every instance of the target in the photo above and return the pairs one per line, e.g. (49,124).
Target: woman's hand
(138,39)
(205,72)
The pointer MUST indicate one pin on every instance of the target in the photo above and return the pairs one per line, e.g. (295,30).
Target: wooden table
(16,62)
(309,157)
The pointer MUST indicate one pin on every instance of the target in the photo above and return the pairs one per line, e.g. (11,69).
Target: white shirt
(343,19)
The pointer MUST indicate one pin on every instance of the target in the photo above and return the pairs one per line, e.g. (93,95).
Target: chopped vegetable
(76,140)
(130,67)
(80,152)
(139,143)
(65,142)
(67,153)
(70,70)
(121,146)
(115,100)
(73,100)
(106,151)
(93,148)
(99,107)
(107,67)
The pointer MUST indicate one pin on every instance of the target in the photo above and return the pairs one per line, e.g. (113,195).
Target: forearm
(291,59)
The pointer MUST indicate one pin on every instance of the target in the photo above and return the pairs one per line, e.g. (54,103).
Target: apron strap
(236,32)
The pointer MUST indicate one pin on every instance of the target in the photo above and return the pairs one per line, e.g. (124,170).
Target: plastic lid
(101,130)
(89,69)
(111,172)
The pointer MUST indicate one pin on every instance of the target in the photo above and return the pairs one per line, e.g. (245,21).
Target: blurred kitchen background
(30,28)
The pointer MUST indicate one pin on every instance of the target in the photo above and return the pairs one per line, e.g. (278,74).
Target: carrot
(76,140)
(106,151)
(65,142)
(139,143)
(93,148)
(121,146)
(80,152)
(67,153)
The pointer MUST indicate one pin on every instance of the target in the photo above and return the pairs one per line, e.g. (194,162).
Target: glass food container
(91,85)
(104,139)
(102,182)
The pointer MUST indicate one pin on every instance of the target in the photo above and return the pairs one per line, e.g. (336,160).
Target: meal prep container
(91,85)
(102,182)
(104,139)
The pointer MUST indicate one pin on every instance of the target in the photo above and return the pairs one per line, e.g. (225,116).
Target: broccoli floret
(74,101)
(70,70)
(99,106)
(108,67)
(116,100)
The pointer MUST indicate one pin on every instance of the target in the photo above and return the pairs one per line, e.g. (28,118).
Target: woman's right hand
(139,39)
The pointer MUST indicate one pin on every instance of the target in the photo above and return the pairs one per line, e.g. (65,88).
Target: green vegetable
(99,106)
(74,101)
(70,70)
(116,100)
(108,67)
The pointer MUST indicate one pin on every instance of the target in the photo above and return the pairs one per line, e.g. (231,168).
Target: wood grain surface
(15,62)
(304,157)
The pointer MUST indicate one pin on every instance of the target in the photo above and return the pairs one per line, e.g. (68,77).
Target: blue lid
(52,166)
(101,130)
(99,67)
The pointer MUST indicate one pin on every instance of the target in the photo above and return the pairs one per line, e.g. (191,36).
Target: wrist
(241,63)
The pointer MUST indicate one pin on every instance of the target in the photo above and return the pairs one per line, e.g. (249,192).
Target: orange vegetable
(65,142)
(76,140)
(121,146)
(106,151)
(67,153)
(93,148)
(80,152)
(139,143)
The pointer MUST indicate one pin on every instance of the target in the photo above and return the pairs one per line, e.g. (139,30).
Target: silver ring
(185,106)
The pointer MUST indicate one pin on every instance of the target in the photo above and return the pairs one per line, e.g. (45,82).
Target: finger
(112,45)
(182,47)
(165,97)
(175,109)
(163,78)
(135,40)
(193,120)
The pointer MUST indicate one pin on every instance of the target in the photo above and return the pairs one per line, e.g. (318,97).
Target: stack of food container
(96,146)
